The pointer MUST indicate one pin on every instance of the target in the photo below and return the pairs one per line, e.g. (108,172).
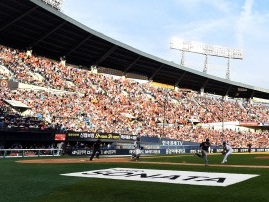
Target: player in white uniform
(227,150)
(137,151)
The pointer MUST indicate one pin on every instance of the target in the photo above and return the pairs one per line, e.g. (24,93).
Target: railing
(7,153)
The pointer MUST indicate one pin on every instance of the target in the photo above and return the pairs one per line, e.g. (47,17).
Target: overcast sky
(149,25)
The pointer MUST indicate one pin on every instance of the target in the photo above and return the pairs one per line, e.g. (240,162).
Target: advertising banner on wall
(86,136)
(90,136)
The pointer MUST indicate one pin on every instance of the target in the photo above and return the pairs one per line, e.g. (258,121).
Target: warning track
(127,160)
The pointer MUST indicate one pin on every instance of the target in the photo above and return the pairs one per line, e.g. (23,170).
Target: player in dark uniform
(249,147)
(204,147)
(96,149)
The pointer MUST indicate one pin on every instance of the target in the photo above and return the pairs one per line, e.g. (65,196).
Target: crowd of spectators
(92,102)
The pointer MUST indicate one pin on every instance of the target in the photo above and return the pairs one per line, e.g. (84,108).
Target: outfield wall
(176,150)
(4,153)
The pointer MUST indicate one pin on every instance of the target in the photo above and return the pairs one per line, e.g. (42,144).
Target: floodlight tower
(206,49)
(57,4)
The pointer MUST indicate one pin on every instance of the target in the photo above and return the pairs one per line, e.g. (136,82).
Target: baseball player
(137,151)
(204,147)
(96,149)
(227,150)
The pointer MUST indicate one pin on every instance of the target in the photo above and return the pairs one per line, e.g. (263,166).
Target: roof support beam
(180,78)
(111,50)
(205,83)
(154,73)
(78,45)
(47,34)
(131,65)
(228,90)
(252,94)
(18,18)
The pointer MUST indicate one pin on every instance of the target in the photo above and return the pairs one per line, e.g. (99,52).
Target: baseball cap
(207,139)
(223,142)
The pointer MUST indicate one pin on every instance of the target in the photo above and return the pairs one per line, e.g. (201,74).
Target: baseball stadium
(85,117)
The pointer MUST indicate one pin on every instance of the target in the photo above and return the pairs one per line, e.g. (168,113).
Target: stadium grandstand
(62,82)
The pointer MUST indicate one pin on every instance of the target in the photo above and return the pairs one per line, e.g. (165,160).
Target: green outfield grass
(43,182)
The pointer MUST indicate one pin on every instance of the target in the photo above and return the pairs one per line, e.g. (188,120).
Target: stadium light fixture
(57,4)
(207,50)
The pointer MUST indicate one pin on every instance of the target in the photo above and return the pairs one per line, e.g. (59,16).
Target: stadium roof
(50,33)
